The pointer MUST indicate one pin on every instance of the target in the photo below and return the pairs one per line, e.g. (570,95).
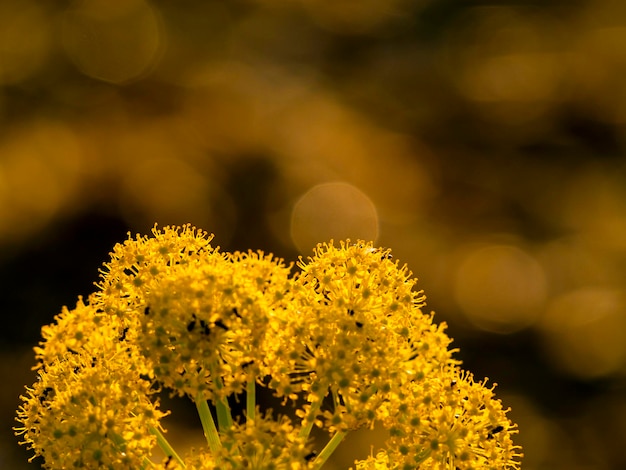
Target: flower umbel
(343,339)
(91,407)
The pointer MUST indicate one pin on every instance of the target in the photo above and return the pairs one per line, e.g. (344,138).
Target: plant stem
(208,425)
(224,417)
(251,400)
(306,429)
(329,449)
(165,446)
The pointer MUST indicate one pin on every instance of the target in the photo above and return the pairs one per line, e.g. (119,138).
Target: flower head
(90,409)
(126,278)
(450,421)
(204,325)
(356,331)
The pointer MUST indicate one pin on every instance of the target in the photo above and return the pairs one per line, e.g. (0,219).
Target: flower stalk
(328,450)
(251,400)
(166,447)
(208,425)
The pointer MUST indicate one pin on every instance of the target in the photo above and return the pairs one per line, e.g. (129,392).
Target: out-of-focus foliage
(484,141)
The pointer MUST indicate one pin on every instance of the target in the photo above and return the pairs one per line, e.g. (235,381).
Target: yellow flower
(198,315)
(449,421)
(141,259)
(354,330)
(204,323)
(90,409)
(346,336)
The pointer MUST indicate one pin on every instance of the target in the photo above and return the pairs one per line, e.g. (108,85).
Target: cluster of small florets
(344,339)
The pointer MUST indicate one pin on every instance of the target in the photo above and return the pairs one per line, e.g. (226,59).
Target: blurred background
(483,141)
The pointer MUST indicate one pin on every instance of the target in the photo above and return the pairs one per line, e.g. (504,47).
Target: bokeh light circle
(500,288)
(335,211)
(584,332)
(40,177)
(25,40)
(115,42)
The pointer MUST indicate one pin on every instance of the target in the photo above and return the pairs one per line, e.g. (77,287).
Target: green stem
(306,429)
(165,446)
(208,425)
(118,440)
(329,449)
(147,463)
(251,399)
(224,416)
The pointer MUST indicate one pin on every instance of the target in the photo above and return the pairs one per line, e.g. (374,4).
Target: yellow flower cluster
(261,443)
(449,421)
(344,338)
(91,406)
(357,331)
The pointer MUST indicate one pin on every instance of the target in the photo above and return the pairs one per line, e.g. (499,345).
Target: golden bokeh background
(483,141)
